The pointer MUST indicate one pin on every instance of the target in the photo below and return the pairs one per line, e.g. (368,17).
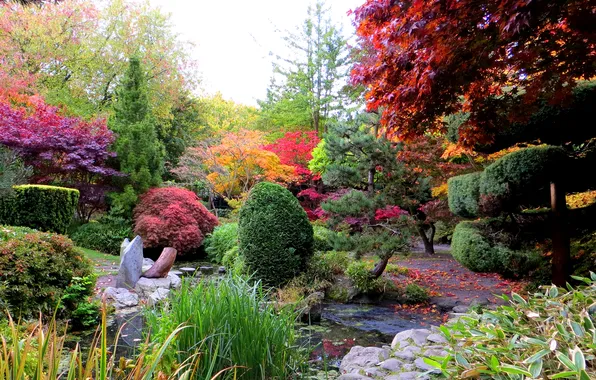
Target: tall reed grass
(37,352)
(232,327)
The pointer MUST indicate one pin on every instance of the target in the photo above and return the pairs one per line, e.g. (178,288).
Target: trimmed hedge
(463,194)
(275,236)
(474,251)
(37,269)
(44,208)
(519,176)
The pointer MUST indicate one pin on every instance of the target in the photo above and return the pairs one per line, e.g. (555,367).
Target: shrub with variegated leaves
(549,335)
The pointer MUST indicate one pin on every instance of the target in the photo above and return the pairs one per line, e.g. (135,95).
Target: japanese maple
(295,149)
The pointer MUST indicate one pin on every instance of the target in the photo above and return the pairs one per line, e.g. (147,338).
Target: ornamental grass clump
(231,326)
(549,335)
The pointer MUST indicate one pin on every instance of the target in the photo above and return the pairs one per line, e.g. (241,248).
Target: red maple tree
(295,149)
(426,59)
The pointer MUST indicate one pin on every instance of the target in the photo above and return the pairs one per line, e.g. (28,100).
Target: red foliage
(172,217)
(426,56)
(295,149)
(390,212)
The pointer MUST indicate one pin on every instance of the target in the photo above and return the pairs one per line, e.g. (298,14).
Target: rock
(123,246)
(148,262)
(362,357)
(222,270)
(461,309)
(206,270)
(444,304)
(158,295)
(425,367)
(353,376)
(392,365)
(418,336)
(187,271)
(121,298)
(479,302)
(435,352)
(147,286)
(436,338)
(131,264)
(164,263)
(409,353)
(313,307)
(412,376)
(176,272)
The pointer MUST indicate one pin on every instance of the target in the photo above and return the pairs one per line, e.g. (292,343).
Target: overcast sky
(233,38)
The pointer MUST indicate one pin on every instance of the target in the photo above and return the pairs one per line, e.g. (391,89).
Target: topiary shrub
(523,177)
(463,194)
(44,208)
(172,217)
(222,239)
(36,271)
(104,235)
(275,236)
(473,250)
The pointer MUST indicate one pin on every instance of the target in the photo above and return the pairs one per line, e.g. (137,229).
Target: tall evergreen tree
(309,87)
(140,153)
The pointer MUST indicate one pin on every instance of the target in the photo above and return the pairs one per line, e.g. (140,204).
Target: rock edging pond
(403,360)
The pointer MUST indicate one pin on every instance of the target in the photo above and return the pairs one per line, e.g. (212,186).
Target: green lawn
(104,263)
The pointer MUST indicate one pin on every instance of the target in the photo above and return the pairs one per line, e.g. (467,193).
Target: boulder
(362,357)
(121,298)
(158,295)
(131,263)
(418,336)
(162,266)
(147,286)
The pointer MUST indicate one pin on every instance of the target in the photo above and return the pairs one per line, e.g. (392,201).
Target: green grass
(102,262)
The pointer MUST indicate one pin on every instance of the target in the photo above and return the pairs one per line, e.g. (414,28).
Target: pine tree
(140,153)
(308,88)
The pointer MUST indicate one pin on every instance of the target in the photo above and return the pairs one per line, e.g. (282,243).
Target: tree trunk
(378,270)
(561,259)
(428,244)
(371,182)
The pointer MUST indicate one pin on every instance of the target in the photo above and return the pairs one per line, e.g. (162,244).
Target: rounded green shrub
(223,238)
(37,270)
(275,236)
(44,208)
(359,273)
(523,176)
(463,194)
(415,294)
(104,235)
(472,249)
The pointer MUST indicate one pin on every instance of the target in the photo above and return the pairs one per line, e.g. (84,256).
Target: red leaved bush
(172,217)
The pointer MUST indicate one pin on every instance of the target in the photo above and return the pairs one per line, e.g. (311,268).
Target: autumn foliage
(426,56)
(172,217)
(234,165)
(295,149)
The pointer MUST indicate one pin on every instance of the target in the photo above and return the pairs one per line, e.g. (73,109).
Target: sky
(233,39)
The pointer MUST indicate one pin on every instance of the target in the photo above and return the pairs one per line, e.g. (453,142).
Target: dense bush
(472,249)
(222,239)
(321,238)
(415,294)
(523,177)
(104,235)
(230,323)
(44,208)
(359,273)
(36,269)
(463,194)
(275,236)
(172,217)
(547,336)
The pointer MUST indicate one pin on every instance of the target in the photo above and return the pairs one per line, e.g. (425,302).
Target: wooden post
(561,258)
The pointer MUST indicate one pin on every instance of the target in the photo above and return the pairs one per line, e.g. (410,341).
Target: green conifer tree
(140,153)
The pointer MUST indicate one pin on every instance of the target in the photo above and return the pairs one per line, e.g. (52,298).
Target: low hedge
(463,194)
(473,250)
(37,271)
(44,208)
(223,238)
